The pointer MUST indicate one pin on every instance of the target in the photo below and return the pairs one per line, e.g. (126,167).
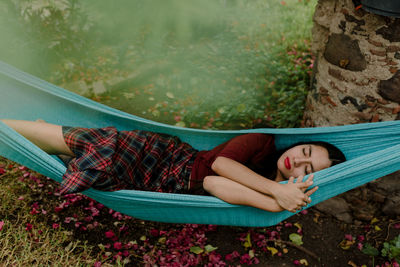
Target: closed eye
(308,152)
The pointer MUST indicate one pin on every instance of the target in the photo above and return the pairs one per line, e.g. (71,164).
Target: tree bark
(356,79)
(356,75)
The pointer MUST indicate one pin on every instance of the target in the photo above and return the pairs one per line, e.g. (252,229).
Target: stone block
(392,206)
(341,47)
(388,184)
(390,89)
(336,207)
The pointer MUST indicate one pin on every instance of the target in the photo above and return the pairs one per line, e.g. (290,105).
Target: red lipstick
(287,163)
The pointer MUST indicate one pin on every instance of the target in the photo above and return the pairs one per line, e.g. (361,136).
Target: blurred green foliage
(391,249)
(206,64)
(36,34)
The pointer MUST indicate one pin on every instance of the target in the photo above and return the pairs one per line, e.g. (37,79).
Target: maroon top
(248,149)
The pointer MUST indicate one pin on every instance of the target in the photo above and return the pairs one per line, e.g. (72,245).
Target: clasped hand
(293,196)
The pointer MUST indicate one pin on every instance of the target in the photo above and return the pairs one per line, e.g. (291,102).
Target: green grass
(41,246)
(18,248)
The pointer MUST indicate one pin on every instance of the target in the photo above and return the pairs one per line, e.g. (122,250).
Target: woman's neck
(279,177)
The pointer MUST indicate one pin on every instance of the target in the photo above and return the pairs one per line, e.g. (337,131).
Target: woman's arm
(235,193)
(48,137)
(289,196)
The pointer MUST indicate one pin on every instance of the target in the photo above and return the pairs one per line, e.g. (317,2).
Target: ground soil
(322,236)
(325,239)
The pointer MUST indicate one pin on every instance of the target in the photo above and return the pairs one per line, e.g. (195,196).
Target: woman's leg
(48,137)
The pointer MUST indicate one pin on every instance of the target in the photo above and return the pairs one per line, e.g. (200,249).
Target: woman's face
(302,160)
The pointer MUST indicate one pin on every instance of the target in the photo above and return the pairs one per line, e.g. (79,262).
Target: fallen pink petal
(154,232)
(69,219)
(110,234)
(28,227)
(117,245)
(125,253)
(245,259)
(360,238)
(348,237)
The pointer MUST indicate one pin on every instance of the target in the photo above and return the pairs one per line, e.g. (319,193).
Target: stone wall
(356,79)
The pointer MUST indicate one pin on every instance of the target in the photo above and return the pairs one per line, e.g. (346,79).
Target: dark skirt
(109,160)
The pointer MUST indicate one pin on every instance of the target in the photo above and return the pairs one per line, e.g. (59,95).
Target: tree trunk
(356,79)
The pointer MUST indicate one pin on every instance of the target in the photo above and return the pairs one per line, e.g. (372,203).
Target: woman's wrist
(272,188)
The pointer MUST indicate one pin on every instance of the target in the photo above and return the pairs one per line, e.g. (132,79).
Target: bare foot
(40,120)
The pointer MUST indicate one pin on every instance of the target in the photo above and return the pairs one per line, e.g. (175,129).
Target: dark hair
(268,167)
(335,154)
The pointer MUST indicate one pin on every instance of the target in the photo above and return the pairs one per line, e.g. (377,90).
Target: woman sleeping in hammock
(236,171)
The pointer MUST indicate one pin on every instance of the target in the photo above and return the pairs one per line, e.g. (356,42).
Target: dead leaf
(251,253)
(296,239)
(68,248)
(316,217)
(273,250)
(180,124)
(129,95)
(247,243)
(156,113)
(210,248)
(343,63)
(304,262)
(352,264)
(196,250)
(298,225)
(374,220)
(170,95)
(346,244)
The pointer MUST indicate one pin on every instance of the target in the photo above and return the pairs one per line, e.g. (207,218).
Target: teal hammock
(372,150)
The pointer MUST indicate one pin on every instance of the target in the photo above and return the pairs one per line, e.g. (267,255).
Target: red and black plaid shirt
(109,160)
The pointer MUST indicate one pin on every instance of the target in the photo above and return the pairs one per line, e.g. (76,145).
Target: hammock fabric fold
(372,150)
